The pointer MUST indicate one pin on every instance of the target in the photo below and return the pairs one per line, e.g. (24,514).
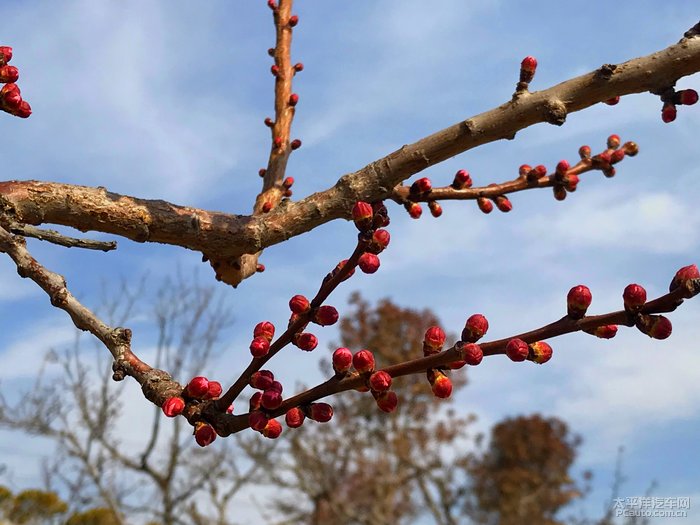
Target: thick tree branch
(230,236)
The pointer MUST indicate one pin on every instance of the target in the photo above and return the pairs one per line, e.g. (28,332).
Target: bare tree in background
(158,471)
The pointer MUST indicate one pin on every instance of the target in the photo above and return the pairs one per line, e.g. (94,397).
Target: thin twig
(26,230)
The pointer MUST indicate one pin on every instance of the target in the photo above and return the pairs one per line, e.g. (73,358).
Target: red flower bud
(5,54)
(527,69)
(305,341)
(362,214)
(584,152)
(440,384)
(266,207)
(686,97)
(293,99)
(562,167)
(422,185)
(612,101)
(368,263)
(257,420)
(668,113)
(321,412)
(471,353)
(571,181)
(262,379)
(325,316)
(414,210)
(277,142)
(613,141)
(10,97)
(173,406)
(204,434)
(299,304)
(475,328)
(379,241)
(617,155)
(271,399)
(8,74)
(288,182)
(434,340)
(381,215)
(294,417)
(524,169)
(262,172)
(684,278)
(255,401)
(342,360)
(264,329)
(272,4)
(198,387)
(578,300)
(295,144)
(293,20)
(435,208)
(387,401)
(559,192)
(272,430)
(215,390)
(462,180)
(607,331)
(298,67)
(484,204)
(517,350)
(274,69)
(276,386)
(269,122)
(259,347)
(380,381)
(540,352)
(655,326)
(634,297)
(503,204)
(363,361)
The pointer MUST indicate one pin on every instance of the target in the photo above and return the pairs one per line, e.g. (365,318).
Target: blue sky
(166,100)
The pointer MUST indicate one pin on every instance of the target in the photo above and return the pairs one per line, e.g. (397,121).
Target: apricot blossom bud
(517,350)
(269,122)
(435,208)
(686,97)
(434,340)
(540,352)
(414,210)
(294,417)
(617,156)
(10,96)
(299,304)
(607,331)
(198,387)
(173,406)
(470,352)
(584,152)
(262,379)
(293,99)
(295,144)
(342,360)
(215,390)
(368,263)
(293,20)
(8,74)
(631,148)
(527,69)
(683,278)
(439,383)
(264,329)
(475,328)
(380,381)
(276,386)
(655,326)
(503,204)
(257,420)
(298,67)
(23,111)
(379,241)
(422,185)
(274,69)
(484,204)
(524,169)
(668,113)
(259,347)
(462,180)
(634,297)
(571,181)
(578,300)
(613,141)
(325,315)
(271,399)
(612,101)
(255,401)
(362,214)
(363,361)
(381,215)
(320,412)
(272,430)
(204,434)
(305,341)
(559,192)
(562,167)
(387,401)
(5,54)
(266,207)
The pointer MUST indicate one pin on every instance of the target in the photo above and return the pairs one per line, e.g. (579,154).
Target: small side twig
(52,236)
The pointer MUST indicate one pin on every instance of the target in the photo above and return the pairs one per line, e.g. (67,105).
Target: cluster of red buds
(420,190)
(518,350)
(10,98)
(268,397)
(672,98)
(370,220)
(199,388)
(319,412)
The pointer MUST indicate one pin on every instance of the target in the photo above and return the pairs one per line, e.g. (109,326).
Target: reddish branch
(226,235)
